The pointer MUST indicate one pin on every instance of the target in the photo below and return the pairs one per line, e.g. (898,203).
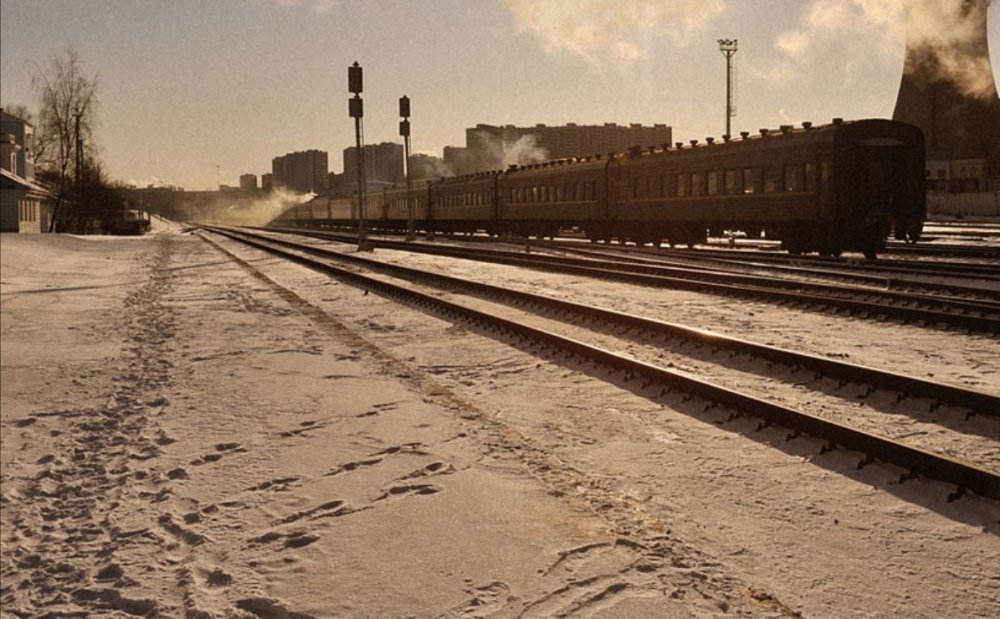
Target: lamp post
(404,130)
(728,48)
(357,111)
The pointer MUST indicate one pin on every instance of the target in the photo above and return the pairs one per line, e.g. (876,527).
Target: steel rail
(723,252)
(978,402)
(712,282)
(895,265)
(918,461)
(832,270)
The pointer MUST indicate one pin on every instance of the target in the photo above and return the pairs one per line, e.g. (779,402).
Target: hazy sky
(188,85)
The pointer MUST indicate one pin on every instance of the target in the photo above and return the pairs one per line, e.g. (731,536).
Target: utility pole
(404,130)
(356,108)
(728,48)
(79,148)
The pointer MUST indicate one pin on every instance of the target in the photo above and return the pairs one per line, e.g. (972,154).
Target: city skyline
(188,86)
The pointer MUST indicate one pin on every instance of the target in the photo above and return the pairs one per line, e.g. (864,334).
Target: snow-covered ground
(183,434)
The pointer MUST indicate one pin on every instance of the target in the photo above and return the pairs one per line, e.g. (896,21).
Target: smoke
(490,152)
(318,6)
(429,165)
(603,31)
(523,151)
(261,210)
(945,36)
(150,182)
(222,207)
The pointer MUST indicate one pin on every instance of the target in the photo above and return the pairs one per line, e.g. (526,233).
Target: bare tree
(21,111)
(67,113)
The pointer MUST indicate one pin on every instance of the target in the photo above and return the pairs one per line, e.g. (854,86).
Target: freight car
(829,189)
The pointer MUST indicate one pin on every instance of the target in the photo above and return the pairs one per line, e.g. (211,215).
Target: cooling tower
(948,88)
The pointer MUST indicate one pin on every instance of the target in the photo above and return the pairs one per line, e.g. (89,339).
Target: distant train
(839,187)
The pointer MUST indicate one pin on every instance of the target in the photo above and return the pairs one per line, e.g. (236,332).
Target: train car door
(879,190)
(613,191)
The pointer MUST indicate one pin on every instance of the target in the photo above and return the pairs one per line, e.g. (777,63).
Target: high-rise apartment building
(303,171)
(495,147)
(383,164)
(248,183)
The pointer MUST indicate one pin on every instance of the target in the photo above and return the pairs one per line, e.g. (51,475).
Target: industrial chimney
(947,87)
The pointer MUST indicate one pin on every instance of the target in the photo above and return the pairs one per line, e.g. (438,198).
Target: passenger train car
(838,187)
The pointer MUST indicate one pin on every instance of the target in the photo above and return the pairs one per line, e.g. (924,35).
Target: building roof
(12,181)
(8,117)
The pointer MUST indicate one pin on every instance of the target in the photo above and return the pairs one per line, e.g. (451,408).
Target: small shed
(25,206)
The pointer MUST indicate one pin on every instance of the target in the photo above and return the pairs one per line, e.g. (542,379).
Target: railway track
(887,278)
(932,310)
(892,267)
(564,329)
(927,247)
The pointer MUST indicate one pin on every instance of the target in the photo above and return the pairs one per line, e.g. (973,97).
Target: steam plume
(601,31)
(946,38)
(947,34)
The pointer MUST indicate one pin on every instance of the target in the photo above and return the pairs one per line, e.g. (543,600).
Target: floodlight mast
(728,48)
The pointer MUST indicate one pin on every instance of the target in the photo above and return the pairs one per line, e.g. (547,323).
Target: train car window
(536,194)
(697,184)
(772,179)
(793,177)
(824,174)
(682,185)
(713,183)
(666,187)
(730,181)
(750,181)
(809,171)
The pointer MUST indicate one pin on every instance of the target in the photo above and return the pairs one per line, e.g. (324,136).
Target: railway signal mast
(357,111)
(728,49)
(404,130)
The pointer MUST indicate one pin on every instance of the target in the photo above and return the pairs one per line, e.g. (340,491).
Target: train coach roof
(837,131)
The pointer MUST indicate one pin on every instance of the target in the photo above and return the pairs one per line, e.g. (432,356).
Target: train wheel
(870,253)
